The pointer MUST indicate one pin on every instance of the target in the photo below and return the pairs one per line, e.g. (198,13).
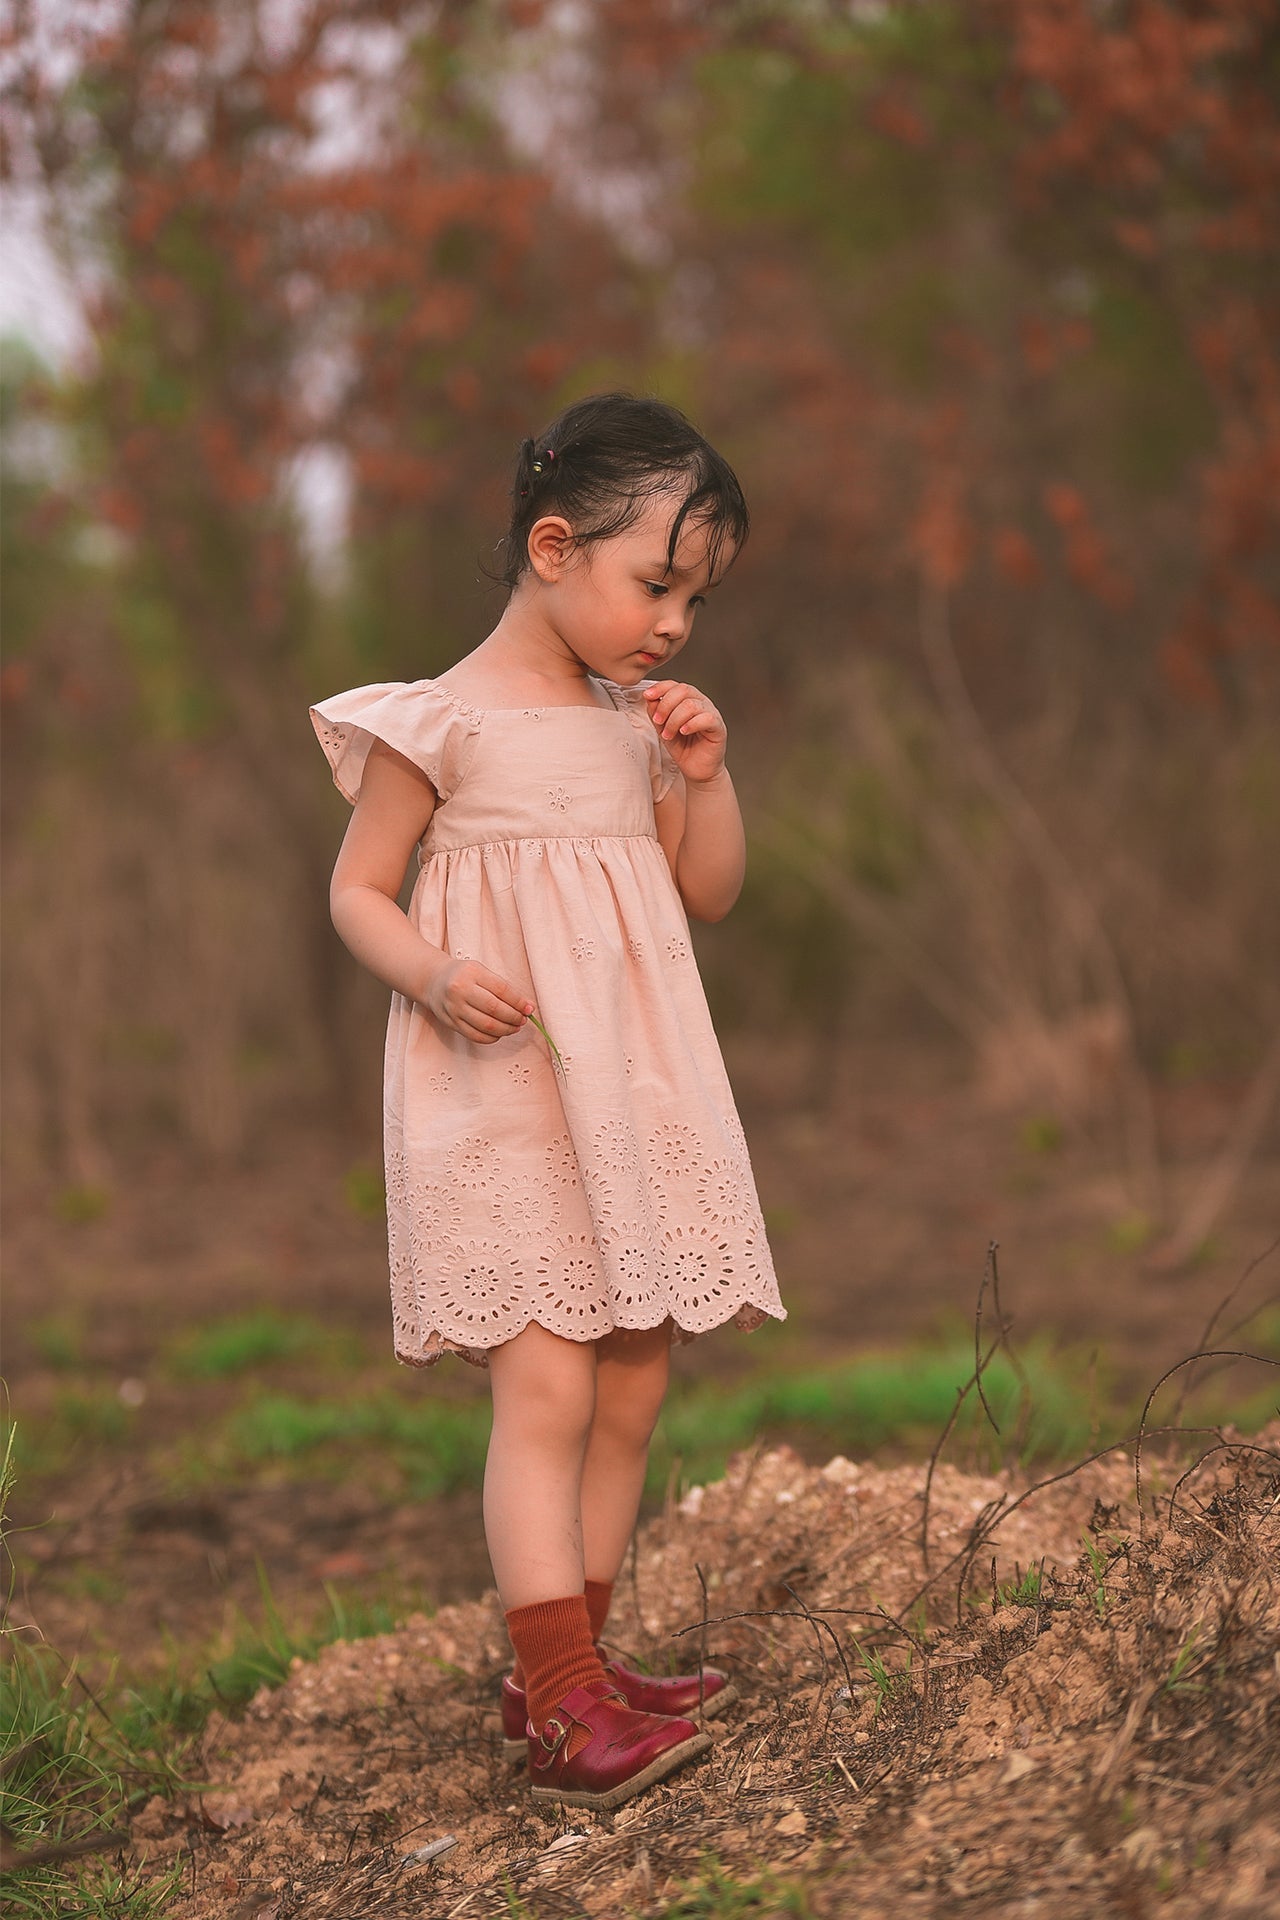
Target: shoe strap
(568,1713)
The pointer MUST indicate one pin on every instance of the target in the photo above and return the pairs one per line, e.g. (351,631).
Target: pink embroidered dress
(609,1189)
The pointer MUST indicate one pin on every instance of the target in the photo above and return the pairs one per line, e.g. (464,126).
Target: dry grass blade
(981,1363)
(550,1042)
(1210,1353)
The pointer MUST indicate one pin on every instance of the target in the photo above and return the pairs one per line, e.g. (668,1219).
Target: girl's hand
(476,1003)
(693,729)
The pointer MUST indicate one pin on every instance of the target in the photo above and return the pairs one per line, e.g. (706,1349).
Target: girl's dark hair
(600,461)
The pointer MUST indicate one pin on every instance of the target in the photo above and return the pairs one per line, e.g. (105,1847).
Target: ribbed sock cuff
(598,1596)
(554,1647)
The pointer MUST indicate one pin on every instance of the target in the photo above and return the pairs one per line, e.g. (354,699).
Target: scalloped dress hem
(747,1318)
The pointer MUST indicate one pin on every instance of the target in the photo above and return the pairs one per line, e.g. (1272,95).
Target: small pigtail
(526,472)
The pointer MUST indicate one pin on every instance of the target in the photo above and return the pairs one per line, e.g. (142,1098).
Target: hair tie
(550,455)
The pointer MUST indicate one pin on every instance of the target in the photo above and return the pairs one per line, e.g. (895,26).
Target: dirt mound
(1064,1708)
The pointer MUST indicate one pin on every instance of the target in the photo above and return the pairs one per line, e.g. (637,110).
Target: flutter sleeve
(435,731)
(663,771)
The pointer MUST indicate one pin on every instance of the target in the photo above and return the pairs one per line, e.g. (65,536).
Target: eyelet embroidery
(614,1146)
(673,1149)
(722,1196)
(570,1281)
(559,798)
(524,1207)
(519,1073)
(480,1288)
(561,1162)
(636,949)
(699,1260)
(583,949)
(439,1082)
(677,949)
(473,1162)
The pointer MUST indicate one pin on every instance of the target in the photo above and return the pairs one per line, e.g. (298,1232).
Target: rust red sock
(555,1651)
(598,1596)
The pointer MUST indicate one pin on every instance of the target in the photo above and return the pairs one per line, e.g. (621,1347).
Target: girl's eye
(655,586)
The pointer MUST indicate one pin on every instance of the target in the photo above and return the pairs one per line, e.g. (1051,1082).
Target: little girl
(568,1187)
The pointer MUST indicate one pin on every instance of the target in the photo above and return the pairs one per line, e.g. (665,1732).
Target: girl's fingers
(488,1012)
(680,715)
(473,1025)
(502,990)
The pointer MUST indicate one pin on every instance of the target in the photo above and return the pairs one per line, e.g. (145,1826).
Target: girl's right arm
(390,816)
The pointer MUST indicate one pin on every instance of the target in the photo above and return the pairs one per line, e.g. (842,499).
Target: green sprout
(547,1037)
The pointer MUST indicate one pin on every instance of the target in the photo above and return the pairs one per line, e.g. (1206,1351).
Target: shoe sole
(615,1796)
(711,1706)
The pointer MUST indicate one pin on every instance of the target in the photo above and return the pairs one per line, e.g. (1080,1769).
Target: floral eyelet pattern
(583,949)
(525,1207)
(473,1162)
(673,1150)
(722,1195)
(571,1284)
(614,1145)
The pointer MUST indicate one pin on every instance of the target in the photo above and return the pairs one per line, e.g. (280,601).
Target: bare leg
(544,1396)
(631,1382)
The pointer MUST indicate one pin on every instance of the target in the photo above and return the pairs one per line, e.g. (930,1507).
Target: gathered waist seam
(534,840)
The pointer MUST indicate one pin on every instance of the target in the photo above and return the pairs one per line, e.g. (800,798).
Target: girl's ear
(550,546)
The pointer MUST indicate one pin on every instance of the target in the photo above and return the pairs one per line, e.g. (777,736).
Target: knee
(628,1403)
(549,1404)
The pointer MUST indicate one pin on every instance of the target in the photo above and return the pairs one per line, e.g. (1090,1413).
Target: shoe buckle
(560,1732)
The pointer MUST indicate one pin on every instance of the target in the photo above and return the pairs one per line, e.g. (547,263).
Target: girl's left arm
(699,820)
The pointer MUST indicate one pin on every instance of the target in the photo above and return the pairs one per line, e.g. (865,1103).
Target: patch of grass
(1024,1590)
(364,1192)
(438,1446)
(59,1341)
(715,1895)
(78,1761)
(888,1681)
(878,1400)
(246,1342)
(1131,1233)
(70,1778)
(1178,1679)
(79,1206)
(262,1653)
(1041,1133)
(91,1416)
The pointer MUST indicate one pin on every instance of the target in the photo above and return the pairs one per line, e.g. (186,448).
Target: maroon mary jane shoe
(627,1751)
(676,1694)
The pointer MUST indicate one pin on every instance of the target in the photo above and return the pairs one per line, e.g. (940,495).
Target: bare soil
(1109,1747)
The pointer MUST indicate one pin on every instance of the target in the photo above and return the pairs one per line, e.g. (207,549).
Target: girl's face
(613,602)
